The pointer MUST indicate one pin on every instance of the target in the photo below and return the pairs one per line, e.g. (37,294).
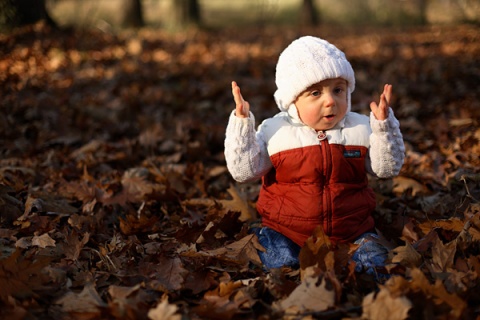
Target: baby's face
(323,104)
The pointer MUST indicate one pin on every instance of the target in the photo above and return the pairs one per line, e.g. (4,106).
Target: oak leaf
(168,274)
(164,311)
(220,303)
(45,203)
(382,305)
(73,245)
(20,276)
(87,304)
(443,256)
(43,241)
(241,251)
(402,184)
(313,294)
(238,203)
(406,255)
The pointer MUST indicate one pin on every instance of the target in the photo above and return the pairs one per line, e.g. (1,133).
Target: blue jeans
(281,251)
(370,255)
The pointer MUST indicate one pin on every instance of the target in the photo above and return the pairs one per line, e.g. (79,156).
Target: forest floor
(115,201)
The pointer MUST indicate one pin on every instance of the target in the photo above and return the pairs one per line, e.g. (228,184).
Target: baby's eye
(315,93)
(339,90)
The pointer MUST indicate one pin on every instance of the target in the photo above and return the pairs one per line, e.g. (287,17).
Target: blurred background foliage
(181,14)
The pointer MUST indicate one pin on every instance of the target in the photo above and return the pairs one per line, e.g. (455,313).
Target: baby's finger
(237,95)
(387,92)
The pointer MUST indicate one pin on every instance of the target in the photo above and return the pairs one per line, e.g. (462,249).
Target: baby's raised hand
(380,111)
(242,107)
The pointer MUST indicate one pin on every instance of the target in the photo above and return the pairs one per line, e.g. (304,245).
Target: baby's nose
(329,100)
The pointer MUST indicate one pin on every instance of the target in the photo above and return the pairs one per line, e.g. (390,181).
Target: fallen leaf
(242,251)
(86,304)
(437,290)
(168,272)
(73,245)
(43,241)
(21,277)
(443,255)
(164,311)
(406,255)
(382,305)
(220,303)
(135,185)
(238,203)
(128,302)
(313,294)
(403,184)
(46,204)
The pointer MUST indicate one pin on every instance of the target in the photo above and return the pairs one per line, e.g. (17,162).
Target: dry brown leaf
(319,251)
(86,304)
(409,233)
(438,291)
(200,280)
(126,302)
(43,241)
(220,303)
(24,242)
(382,305)
(407,256)
(238,203)
(164,311)
(443,256)
(242,251)
(8,234)
(401,184)
(313,294)
(119,293)
(20,277)
(45,203)
(73,246)
(453,224)
(170,273)
(135,185)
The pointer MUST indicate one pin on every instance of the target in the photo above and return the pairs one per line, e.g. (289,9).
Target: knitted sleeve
(245,149)
(387,150)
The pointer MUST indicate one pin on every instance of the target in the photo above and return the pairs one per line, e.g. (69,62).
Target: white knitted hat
(306,61)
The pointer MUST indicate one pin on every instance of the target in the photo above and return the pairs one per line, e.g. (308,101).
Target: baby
(314,156)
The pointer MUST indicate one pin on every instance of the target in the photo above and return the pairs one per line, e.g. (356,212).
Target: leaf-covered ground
(115,201)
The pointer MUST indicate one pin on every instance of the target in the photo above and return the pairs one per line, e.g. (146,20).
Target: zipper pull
(321,135)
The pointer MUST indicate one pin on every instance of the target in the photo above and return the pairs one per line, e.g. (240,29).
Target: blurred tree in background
(309,14)
(21,12)
(132,14)
(178,14)
(187,12)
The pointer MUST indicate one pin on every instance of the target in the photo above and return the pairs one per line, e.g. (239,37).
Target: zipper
(326,156)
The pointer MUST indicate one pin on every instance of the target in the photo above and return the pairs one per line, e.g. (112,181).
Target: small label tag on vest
(352,154)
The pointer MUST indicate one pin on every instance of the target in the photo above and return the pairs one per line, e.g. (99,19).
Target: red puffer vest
(324,184)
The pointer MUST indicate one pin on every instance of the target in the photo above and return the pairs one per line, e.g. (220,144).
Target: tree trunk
(23,12)
(132,14)
(309,15)
(187,12)
(422,7)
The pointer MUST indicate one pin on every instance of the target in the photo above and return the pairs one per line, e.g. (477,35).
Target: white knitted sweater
(248,151)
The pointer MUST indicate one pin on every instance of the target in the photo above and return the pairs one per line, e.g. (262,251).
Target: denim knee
(370,254)
(279,250)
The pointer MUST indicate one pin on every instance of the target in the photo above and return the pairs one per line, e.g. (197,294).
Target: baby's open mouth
(330,116)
